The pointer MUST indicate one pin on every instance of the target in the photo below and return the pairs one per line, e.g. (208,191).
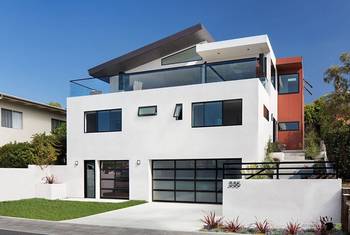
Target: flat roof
(180,40)
(38,105)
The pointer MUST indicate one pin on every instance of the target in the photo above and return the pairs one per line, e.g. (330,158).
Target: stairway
(294,155)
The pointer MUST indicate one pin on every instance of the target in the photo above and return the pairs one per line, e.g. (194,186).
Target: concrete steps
(294,155)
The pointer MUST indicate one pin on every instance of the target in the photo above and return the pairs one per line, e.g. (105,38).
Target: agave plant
(49,179)
(262,226)
(211,221)
(233,226)
(293,228)
(324,226)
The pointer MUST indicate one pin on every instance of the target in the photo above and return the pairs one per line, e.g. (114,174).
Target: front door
(114,179)
(89,179)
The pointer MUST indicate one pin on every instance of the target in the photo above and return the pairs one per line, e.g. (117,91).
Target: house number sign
(234,184)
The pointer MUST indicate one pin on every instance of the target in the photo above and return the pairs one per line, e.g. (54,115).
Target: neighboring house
(165,118)
(20,118)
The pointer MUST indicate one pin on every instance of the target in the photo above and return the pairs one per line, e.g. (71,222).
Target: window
(186,55)
(266,113)
(288,83)
(55,123)
(103,121)
(147,111)
(178,112)
(11,119)
(217,113)
(288,126)
(273,75)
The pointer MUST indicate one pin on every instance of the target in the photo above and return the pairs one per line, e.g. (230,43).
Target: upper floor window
(266,113)
(288,126)
(11,119)
(186,55)
(178,112)
(288,83)
(103,121)
(147,111)
(55,123)
(217,113)
(273,75)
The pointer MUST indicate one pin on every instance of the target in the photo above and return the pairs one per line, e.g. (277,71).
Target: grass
(56,210)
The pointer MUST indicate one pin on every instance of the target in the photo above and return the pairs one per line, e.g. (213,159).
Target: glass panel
(163,195)
(185,164)
(232,113)
(115,120)
(187,55)
(206,185)
(206,174)
(147,111)
(164,78)
(163,184)
(91,121)
(184,185)
(16,120)
(109,184)
(266,113)
(178,112)
(103,121)
(6,118)
(273,74)
(288,126)
(206,163)
(185,196)
(213,113)
(163,164)
(90,179)
(221,163)
(219,196)
(234,70)
(197,114)
(163,174)
(205,197)
(184,174)
(219,185)
(288,83)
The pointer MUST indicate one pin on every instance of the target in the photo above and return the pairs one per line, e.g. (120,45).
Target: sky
(45,44)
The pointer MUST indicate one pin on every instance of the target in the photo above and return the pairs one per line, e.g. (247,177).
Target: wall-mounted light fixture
(76,163)
(138,162)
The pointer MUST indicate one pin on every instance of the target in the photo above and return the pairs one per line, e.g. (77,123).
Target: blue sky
(44,44)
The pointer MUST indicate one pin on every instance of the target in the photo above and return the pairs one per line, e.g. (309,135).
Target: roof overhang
(235,48)
(33,104)
(148,53)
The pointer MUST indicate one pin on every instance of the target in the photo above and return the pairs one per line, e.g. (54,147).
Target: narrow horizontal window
(288,126)
(11,119)
(217,113)
(103,121)
(147,111)
(266,113)
(178,112)
(186,55)
(288,83)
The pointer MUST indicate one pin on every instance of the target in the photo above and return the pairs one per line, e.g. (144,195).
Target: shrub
(262,227)
(60,136)
(17,155)
(49,179)
(211,221)
(44,149)
(233,226)
(312,147)
(293,228)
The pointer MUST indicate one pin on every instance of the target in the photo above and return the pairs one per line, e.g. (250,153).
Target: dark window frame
(104,110)
(58,121)
(278,83)
(266,113)
(176,53)
(181,112)
(146,115)
(11,124)
(222,110)
(279,129)
(275,76)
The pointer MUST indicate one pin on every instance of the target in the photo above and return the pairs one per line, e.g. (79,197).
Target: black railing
(277,170)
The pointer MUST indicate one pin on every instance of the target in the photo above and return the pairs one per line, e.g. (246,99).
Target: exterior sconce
(138,162)
(76,163)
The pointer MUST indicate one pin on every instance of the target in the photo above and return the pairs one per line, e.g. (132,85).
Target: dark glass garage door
(114,179)
(197,180)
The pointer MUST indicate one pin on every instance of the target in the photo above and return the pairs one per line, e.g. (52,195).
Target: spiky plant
(233,226)
(211,221)
(293,228)
(262,226)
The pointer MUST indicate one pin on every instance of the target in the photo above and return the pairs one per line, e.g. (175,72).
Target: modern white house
(158,123)
(21,118)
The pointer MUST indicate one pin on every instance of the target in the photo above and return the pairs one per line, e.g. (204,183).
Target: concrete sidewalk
(23,226)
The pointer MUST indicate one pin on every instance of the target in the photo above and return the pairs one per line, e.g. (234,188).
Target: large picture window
(217,113)
(11,119)
(103,121)
(288,83)
(288,126)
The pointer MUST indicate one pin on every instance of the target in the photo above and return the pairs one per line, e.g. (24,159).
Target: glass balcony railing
(197,74)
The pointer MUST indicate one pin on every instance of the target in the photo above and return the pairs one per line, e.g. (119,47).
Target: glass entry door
(114,179)
(89,179)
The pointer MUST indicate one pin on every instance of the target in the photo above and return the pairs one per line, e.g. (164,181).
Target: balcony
(181,76)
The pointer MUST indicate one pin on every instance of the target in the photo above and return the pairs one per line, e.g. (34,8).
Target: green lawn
(58,210)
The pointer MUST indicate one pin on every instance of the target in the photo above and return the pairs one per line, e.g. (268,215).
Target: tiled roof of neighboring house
(180,40)
(16,99)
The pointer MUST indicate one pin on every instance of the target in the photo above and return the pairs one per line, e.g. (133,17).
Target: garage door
(198,181)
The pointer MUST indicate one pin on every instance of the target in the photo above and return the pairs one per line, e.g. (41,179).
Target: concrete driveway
(154,215)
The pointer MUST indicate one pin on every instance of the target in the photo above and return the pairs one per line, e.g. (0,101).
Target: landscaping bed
(56,210)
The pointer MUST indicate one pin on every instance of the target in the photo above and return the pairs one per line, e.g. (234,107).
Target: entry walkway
(154,215)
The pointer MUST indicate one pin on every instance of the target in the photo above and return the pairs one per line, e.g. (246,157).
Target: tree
(55,104)
(44,149)
(60,135)
(339,74)
(16,155)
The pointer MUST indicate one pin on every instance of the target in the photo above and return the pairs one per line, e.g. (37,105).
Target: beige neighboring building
(20,119)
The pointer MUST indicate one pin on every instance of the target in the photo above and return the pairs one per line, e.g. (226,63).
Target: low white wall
(281,201)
